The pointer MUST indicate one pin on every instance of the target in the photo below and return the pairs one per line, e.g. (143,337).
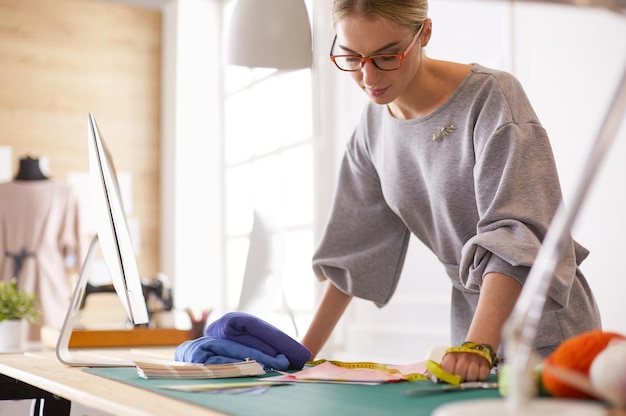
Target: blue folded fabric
(255,333)
(211,350)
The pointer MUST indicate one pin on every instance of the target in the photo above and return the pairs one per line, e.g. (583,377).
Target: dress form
(40,228)
(29,170)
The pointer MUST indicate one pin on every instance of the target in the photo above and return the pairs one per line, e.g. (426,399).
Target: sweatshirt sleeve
(356,263)
(517,194)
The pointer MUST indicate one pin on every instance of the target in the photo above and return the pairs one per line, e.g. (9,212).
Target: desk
(43,371)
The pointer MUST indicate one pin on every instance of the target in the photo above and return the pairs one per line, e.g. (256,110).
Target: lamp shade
(270,34)
(612,5)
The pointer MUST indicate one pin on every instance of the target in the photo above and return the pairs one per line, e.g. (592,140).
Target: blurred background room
(207,150)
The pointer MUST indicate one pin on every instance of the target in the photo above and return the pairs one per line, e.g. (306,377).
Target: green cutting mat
(304,399)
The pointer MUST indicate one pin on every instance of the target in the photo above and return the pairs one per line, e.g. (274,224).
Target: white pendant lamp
(270,34)
(618,6)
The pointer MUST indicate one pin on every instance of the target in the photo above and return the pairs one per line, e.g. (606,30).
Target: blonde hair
(404,13)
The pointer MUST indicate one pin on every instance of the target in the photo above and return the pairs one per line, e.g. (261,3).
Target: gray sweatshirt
(476,182)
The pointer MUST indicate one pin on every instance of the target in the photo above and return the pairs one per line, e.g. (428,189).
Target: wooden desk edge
(93,391)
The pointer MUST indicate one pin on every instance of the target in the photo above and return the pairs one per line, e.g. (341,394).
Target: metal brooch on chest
(441,132)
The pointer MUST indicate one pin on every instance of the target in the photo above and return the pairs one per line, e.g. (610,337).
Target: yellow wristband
(436,370)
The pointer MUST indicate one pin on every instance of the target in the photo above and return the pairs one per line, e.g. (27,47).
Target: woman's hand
(498,295)
(467,365)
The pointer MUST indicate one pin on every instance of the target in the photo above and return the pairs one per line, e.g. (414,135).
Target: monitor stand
(62,348)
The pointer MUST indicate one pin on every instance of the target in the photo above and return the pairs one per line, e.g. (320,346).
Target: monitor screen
(112,229)
(114,239)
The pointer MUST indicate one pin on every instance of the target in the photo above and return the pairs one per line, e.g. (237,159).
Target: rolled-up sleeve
(517,193)
(364,244)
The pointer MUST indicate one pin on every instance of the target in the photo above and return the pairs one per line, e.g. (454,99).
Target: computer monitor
(113,237)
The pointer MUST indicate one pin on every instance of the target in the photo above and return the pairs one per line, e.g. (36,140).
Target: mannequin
(40,227)
(29,170)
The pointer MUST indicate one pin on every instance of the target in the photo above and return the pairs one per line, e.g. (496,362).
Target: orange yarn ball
(576,354)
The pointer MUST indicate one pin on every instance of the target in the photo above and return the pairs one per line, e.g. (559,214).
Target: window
(268,167)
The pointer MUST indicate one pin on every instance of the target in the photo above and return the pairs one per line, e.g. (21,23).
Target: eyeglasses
(384,62)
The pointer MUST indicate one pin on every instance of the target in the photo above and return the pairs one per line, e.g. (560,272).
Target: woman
(454,154)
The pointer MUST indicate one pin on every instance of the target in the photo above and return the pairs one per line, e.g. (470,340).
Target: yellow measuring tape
(435,369)
(484,350)
(371,366)
(416,377)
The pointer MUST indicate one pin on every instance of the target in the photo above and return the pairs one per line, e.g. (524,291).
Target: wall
(60,60)
(571,75)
